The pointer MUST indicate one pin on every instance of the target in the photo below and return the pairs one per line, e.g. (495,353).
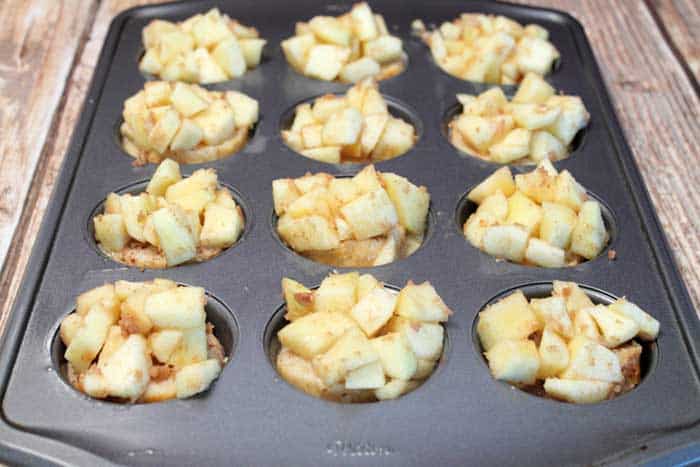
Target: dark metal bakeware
(250,416)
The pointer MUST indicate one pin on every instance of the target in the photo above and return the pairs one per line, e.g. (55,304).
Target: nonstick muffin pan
(461,415)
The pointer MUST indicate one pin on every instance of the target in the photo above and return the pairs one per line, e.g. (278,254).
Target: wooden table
(648,52)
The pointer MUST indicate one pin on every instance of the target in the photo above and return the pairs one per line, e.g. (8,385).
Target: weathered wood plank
(38,40)
(55,144)
(681,19)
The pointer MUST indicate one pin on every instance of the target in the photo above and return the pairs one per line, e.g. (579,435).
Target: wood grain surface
(643,64)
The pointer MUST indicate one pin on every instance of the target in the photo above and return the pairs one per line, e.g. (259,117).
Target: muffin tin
(250,416)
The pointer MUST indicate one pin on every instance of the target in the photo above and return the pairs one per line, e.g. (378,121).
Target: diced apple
(174,236)
(421,302)
(337,292)
(110,232)
(299,300)
(578,391)
(616,329)
(558,222)
(514,361)
(245,108)
(358,70)
(179,308)
(163,343)
(374,310)
(554,354)
(501,179)
(589,360)
(552,313)
(325,61)
(351,351)
(510,318)
(589,235)
(506,241)
(314,333)
(396,356)
(648,326)
(370,376)
(196,378)
(370,215)
(541,253)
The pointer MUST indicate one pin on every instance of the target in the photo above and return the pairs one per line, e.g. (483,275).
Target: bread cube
(514,361)
(578,392)
(557,225)
(314,333)
(506,241)
(395,355)
(352,350)
(337,292)
(395,389)
(179,308)
(370,215)
(374,310)
(541,253)
(308,233)
(370,376)
(616,329)
(298,299)
(648,326)
(325,61)
(222,226)
(500,180)
(589,235)
(196,378)
(296,50)
(163,343)
(554,354)
(342,128)
(533,89)
(551,313)
(511,318)
(110,231)
(629,356)
(589,360)
(174,236)
(246,110)
(88,339)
